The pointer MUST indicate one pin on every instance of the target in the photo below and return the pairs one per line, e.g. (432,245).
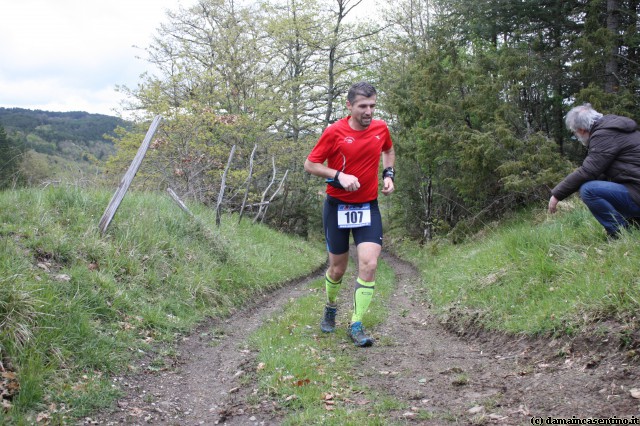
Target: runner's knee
(336,272)
(367,267)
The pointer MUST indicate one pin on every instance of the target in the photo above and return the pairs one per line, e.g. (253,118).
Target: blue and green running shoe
(357,334)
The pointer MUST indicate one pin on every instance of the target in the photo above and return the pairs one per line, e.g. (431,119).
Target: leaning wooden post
(128,177)
(264,194)
(246,192)
(180,203)
(223,186)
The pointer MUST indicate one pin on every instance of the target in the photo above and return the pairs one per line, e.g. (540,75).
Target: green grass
(313,376)
(536,275)
(76,307)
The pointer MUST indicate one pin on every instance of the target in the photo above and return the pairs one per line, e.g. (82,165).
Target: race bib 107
(354,215)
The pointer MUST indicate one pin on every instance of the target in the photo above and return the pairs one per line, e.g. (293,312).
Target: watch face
(388,172)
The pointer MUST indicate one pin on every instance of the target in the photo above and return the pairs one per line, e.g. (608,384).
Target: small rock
(476,410)
(496,416)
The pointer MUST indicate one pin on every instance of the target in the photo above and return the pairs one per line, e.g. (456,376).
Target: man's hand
(388,186)
(349,182)
(553,203)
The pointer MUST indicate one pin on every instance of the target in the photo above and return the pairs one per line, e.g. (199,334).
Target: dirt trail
(474,379)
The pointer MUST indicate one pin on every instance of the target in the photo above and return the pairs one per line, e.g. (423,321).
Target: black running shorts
(338,238)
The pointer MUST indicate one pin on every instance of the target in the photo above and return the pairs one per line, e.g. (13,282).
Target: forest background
(475,94)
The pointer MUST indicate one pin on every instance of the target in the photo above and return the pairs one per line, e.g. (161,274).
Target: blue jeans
(610,203)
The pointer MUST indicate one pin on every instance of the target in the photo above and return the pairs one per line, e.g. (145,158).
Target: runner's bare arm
(349,182)
(388,160)
(319,169)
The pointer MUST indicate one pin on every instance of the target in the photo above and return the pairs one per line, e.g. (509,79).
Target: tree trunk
(611,83)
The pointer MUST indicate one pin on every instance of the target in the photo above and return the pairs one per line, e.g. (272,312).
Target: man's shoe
(613,236)
(328,324)
(357,334)
(634,222)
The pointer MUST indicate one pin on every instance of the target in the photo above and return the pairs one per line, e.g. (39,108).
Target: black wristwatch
(335,182)
(389,172)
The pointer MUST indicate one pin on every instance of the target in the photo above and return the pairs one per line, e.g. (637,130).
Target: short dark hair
(362,89)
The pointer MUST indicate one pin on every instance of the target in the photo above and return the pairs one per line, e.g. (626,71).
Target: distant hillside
(70,135)
(76,126)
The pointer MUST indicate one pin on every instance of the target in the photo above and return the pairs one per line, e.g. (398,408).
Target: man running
(352,148)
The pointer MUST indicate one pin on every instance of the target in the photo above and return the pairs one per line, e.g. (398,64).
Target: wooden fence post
(180,203)
(246,192)
(264,194)
(128,177)
(223,185)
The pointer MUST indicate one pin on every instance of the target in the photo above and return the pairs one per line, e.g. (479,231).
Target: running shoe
(328,324)
(357,334)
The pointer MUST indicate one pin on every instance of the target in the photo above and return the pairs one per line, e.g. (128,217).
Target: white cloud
(69,55)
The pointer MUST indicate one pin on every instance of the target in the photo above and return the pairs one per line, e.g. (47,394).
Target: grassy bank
(535,275)
(76,307)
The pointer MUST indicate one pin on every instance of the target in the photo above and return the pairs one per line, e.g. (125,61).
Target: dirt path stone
(441,377)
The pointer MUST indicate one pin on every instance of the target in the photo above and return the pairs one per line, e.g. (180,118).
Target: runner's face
(361,111)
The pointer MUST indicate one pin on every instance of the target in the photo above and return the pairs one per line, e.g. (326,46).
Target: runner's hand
(349,182)
(388,186)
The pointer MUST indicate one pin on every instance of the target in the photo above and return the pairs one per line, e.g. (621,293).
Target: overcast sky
(68,55)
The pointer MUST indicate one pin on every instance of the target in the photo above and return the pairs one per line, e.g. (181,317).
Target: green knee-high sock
(332,289)
(361,299)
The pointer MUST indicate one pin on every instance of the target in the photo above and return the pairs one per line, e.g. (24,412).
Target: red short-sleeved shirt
(360,151)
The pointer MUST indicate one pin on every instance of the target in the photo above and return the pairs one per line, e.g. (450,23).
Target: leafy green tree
(208,90)
(10,158)
(470,106)
(264,74)
(313,56)
(607,56)
(475,93)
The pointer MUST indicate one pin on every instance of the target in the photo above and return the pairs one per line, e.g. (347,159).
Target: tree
(488,84)
(274,69)
(210,91)
(606,63)
(10,158)
(475,93)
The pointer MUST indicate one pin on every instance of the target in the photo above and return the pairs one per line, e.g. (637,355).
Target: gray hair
(362,89)
(581,117)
